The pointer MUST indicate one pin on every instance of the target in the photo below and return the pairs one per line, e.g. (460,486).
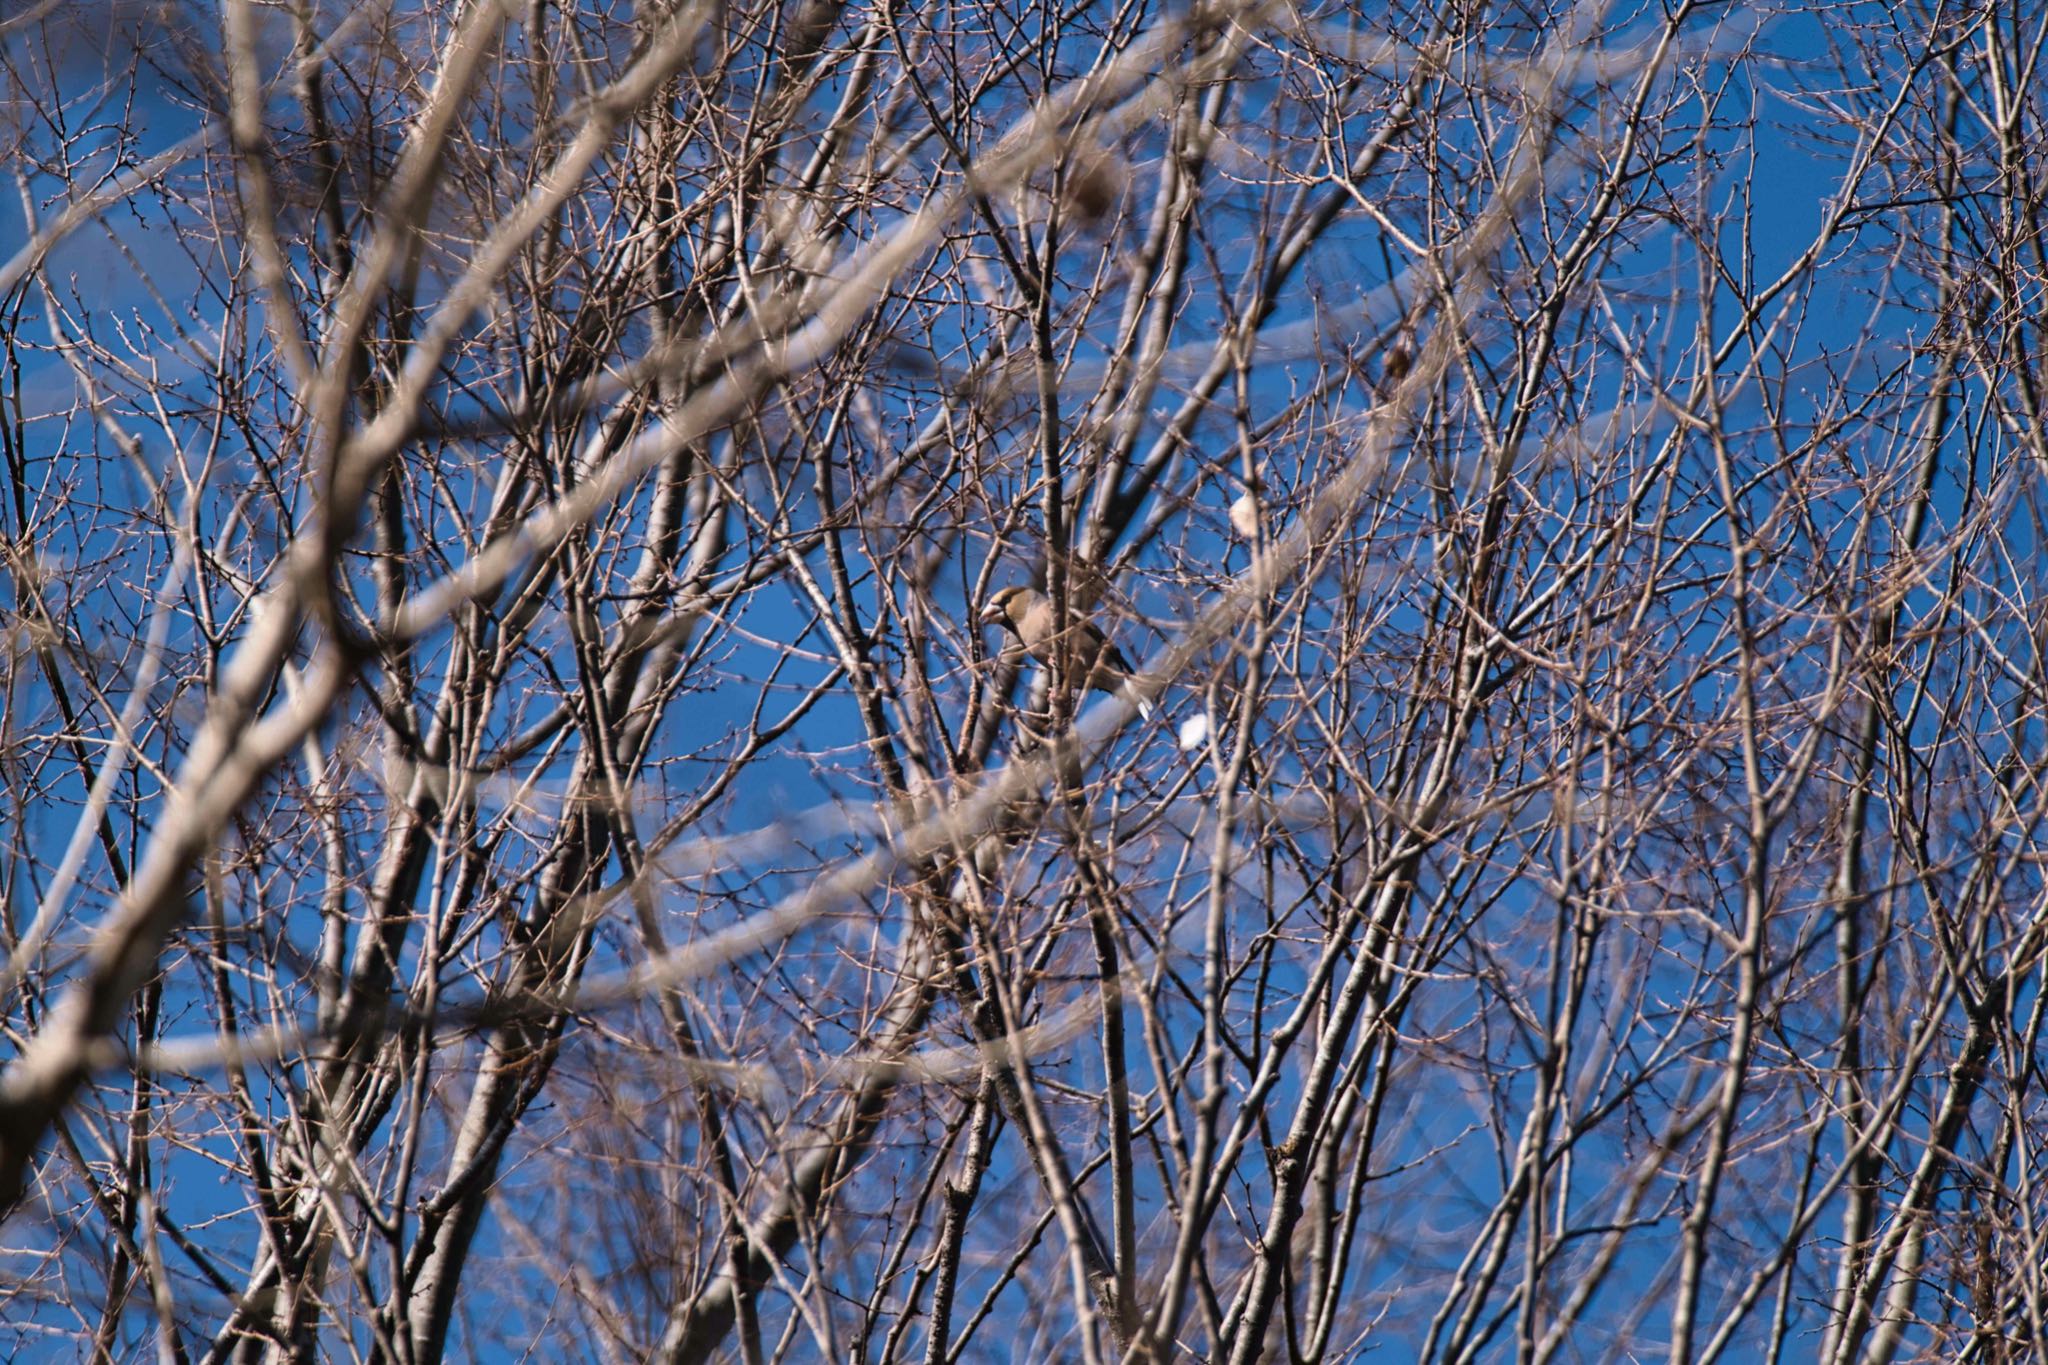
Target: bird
(1244,513)
(1028,615)
(1244,516)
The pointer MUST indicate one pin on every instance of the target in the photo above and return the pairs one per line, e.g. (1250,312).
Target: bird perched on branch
(1027,614)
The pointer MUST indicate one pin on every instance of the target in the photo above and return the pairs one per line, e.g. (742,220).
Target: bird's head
(1006,608)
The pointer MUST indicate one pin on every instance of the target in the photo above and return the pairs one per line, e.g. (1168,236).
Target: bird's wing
(1114,659)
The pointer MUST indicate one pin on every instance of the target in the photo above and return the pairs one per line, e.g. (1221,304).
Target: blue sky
(1768,179)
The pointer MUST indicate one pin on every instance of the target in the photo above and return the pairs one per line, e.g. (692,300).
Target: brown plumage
(1028,615)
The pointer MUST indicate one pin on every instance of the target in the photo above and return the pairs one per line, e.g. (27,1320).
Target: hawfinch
(1027,614)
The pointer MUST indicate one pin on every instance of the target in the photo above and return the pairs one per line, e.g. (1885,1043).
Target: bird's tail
(1136,698)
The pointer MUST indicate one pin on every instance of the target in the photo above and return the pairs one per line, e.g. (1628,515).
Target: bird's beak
(990,614)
